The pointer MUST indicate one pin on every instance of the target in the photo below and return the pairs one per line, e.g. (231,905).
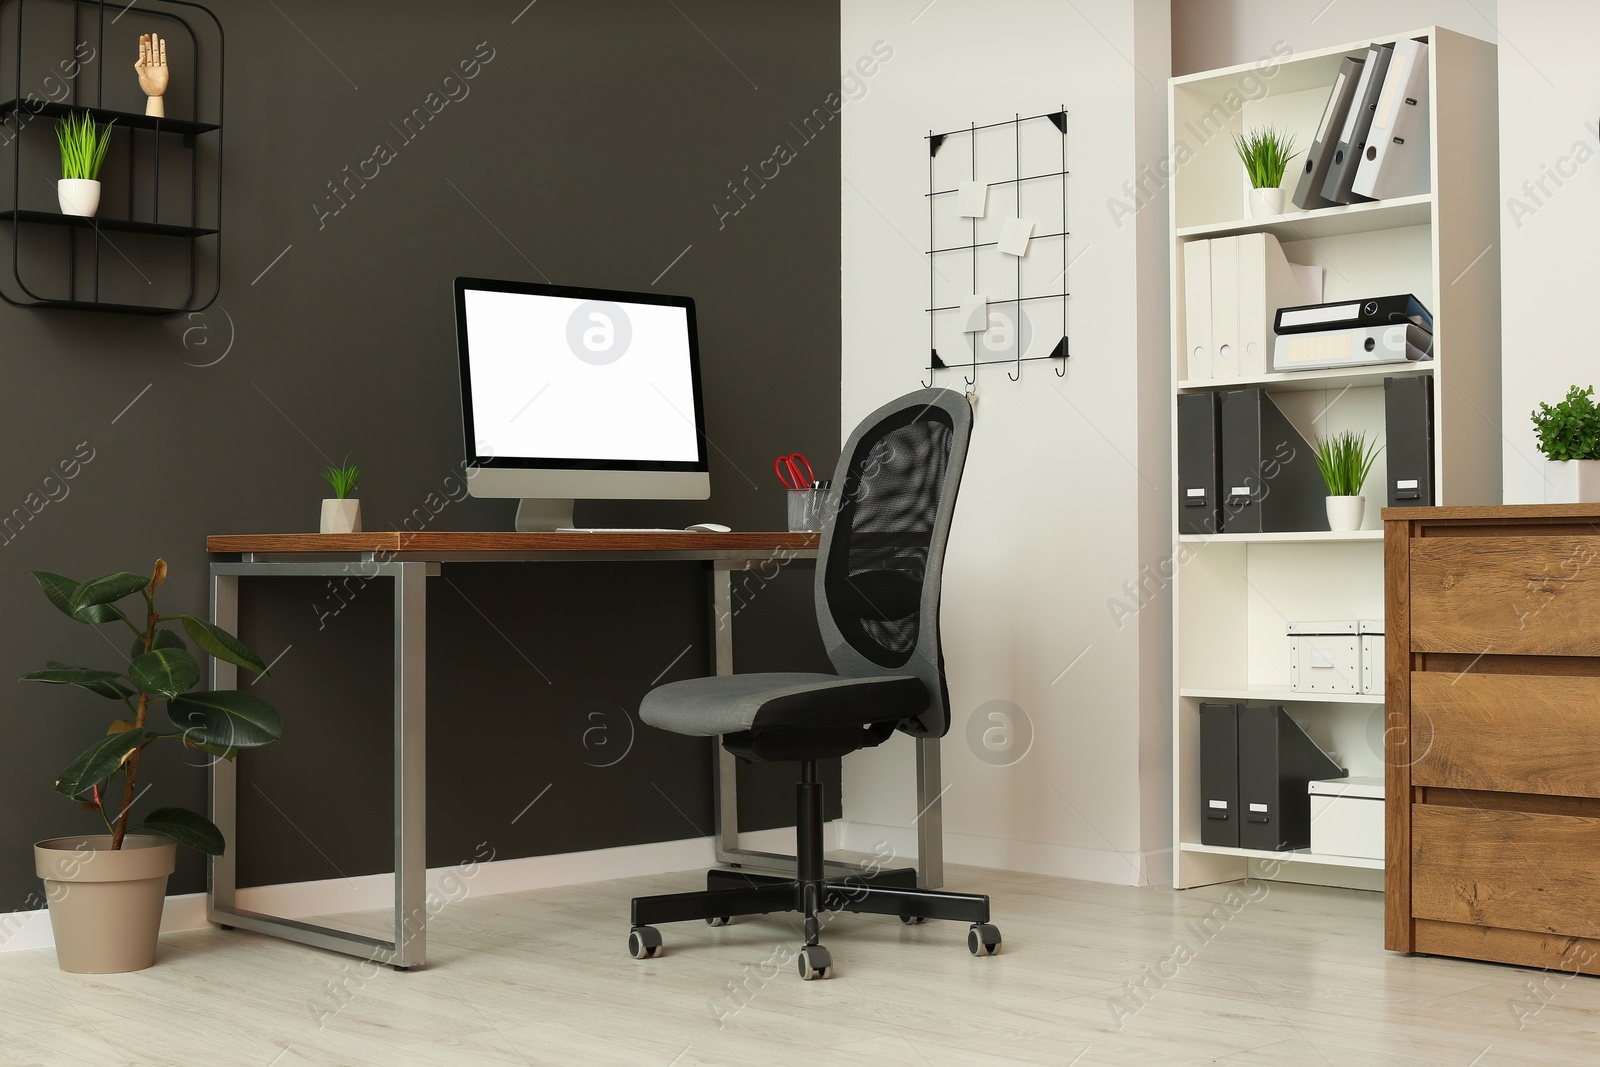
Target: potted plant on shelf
(341,514)
(83,152)
(1569,437)
(1345,461)
(106,890)
(1265,154)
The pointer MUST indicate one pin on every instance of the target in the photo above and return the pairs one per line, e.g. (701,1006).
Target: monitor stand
(535,515)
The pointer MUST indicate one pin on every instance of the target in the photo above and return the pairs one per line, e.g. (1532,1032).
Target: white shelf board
(1294,380)
(1360,862)
(1296,537)
(1327,221)
(1225,78)
(1279,695)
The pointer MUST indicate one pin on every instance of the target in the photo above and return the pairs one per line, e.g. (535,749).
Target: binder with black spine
(1270,480)
(1336,187)
(1199,464)
(1408,434)
(1219,774)
(1308,191)
(1276,761)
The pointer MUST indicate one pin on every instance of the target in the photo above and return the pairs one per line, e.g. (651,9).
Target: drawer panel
(1507,733)
(1506,869)
(1521,595)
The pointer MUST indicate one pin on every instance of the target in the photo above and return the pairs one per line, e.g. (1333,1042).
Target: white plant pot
(78,196)
(1572,481)
(1264,202)
(105,906)
(1346,512)
(341,516)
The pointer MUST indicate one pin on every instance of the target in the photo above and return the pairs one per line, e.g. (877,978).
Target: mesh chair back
(878,572)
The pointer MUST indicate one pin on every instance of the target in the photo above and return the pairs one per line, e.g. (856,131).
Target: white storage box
(1372,656)
(1325,657)
(1347,817)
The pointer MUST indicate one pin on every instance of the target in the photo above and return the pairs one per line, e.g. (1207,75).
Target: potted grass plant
(1345,460)
(1265,154)
(83,153)
(341,513)
(105,891)
(1569,437)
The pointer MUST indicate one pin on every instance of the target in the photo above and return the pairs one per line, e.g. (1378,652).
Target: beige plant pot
(341,516)
(105,906)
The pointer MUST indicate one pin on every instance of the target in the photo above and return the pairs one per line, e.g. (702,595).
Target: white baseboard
(1032,857)
(21,930)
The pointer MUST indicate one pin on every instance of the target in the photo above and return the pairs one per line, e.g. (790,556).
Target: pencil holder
(806,509)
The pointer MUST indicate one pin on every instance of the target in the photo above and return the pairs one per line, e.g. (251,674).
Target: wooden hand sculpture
(152,71)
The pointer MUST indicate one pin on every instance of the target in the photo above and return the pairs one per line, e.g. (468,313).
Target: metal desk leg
(409,947)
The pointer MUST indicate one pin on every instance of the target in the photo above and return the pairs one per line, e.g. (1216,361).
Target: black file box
(1276,761)
(1219,774)
(1199,463)
(1270,481)
(1408,430)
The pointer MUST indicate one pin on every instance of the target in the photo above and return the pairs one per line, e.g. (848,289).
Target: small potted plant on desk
(1345,461)
(106,890)
(83,153)
(1569,437)
(340,513)
(1265,155)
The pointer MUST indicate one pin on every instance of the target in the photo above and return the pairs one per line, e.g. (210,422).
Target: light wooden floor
(1289,975)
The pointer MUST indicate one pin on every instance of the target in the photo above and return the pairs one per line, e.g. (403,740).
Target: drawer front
(1522,595)
(1506,869)
(1507,733)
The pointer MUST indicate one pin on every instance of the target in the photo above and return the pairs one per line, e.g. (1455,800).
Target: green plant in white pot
(1569,437)
(83,153)
(341,513)
(106,890)
(1345,460)
(1265,154)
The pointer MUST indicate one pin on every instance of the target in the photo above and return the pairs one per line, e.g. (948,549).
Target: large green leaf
(186,828)
(103,683)
(99,761)
(107,588)
(60,590)
(226,718)
(164,672)
(160,639)
(221,644)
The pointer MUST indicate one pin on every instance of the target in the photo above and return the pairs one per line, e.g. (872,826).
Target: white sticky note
(974,314)
(972,199)
(1014,234)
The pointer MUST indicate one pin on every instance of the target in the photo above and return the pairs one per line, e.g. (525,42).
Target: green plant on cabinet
(1571,428)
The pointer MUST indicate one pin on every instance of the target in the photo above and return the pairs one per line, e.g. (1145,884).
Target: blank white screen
(535,394)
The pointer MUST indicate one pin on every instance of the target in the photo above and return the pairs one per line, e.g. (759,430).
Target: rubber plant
(160,669)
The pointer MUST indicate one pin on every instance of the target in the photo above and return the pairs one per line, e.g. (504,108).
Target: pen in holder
(807,508)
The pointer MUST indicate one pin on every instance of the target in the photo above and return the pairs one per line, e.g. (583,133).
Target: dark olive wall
(594,146)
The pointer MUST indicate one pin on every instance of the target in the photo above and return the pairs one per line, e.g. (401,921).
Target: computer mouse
(707,527)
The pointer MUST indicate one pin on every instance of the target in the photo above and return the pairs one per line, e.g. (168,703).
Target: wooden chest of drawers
(1492,738)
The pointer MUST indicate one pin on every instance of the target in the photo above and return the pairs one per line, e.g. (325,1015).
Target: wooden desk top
(1498,511)
(463,541)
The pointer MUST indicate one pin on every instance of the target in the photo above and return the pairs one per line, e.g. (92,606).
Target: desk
(411,558)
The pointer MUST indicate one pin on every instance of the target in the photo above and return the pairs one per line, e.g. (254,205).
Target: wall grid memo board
(997,246)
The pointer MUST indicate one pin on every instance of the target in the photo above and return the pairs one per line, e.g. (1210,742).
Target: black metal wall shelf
(136,206)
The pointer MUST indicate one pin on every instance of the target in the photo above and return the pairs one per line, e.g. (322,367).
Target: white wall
(1065,494)
(1550,218)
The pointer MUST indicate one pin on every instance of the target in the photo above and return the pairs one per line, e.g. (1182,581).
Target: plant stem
(132,766)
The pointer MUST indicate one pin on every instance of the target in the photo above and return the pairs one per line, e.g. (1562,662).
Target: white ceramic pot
(1346,512)
(341,516)
(105,906)
(1264,202)
(78,196)
(1572,481)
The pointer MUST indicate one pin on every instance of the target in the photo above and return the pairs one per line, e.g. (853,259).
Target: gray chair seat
(731,704)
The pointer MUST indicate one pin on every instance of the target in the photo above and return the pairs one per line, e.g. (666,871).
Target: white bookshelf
(1233,593)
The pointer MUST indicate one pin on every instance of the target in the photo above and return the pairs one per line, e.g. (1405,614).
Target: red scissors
(793,471)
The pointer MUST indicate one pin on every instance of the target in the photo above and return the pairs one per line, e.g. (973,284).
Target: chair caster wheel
(983,939)
(720,920)
(913,920)
(814,962)
(644,942)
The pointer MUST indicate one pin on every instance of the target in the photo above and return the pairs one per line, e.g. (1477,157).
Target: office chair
(877,599)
